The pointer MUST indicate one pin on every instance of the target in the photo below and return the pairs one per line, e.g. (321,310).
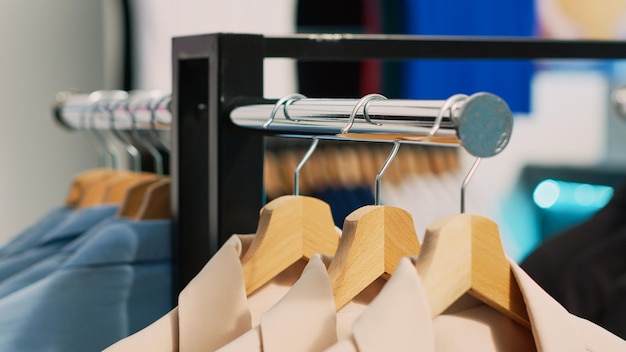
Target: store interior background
(571,123)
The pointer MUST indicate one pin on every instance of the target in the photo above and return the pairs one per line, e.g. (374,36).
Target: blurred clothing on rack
(582,266)
(213,308)
(85,283)
(214,314)
(36,230)
(35,248)
(343,176)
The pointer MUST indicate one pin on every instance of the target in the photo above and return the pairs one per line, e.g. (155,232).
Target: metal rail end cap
(485,124)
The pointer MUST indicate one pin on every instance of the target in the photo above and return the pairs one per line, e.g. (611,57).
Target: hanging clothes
(583,266)
(118,272)
(209,318)
(42,225)
(399,317)
(46,243)
(212,309)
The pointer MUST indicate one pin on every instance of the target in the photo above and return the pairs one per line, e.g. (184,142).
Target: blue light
(551,193)
(546,193)
(584,194)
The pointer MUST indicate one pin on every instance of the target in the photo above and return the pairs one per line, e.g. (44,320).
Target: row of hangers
(461,253)
(141,195)
(337,165)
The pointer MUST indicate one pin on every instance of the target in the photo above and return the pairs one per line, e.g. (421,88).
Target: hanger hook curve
(130,148)
(446,106)
(154,152)
(305,158)
(363,102)
(289,99)
(379,175)
(467,180)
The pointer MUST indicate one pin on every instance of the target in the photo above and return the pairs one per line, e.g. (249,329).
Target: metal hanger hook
(467,180)
(105,156)
(305,158)
(379,176)
(156,155)
(154,132)
(446,106)
(289,99)
(130,148)
(363,103)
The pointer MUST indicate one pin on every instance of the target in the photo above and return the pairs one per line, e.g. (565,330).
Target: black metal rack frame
(217,168)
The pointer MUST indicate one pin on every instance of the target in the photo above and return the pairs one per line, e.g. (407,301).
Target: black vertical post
(217,174)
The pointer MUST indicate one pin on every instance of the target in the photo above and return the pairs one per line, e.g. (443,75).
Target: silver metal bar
(100,106)
(481,123)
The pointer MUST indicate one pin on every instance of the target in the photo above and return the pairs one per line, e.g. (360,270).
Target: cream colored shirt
(213,308)
(399,320)
(305,318)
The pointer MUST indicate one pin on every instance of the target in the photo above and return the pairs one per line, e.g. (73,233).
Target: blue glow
(551,193)
(546,193)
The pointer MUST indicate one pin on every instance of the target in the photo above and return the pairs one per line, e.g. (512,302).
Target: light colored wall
(45,46)
(157,21)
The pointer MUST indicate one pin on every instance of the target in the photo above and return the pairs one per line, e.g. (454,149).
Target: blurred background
(565,158)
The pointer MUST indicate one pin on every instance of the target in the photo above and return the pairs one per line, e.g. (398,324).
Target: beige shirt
(399,320)
(305,318)
(213,308)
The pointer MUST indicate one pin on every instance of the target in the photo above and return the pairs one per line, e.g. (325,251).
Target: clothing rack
(218,166)
(482,123)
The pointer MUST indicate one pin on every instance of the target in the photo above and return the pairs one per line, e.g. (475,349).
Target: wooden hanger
(95,191)
(290,228)
(134,198)
(116,190)
(463,254)
(156,202)
(81,181)
(373,241)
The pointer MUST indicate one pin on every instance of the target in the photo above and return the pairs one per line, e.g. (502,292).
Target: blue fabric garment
(439,79)
(33,232)
(75,224)
(101,287)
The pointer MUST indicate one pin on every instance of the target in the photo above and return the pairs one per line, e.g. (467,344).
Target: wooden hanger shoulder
(134,198)
(95,191)
(116,191)
(80,183)
(290,228)
(463,254)
(156,202)
(373,240)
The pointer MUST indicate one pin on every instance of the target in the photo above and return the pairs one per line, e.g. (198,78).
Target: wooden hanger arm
(116,191)
(373,241)
(463,254)
(80,183)
(156,203)
(134,198)
(290,228)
